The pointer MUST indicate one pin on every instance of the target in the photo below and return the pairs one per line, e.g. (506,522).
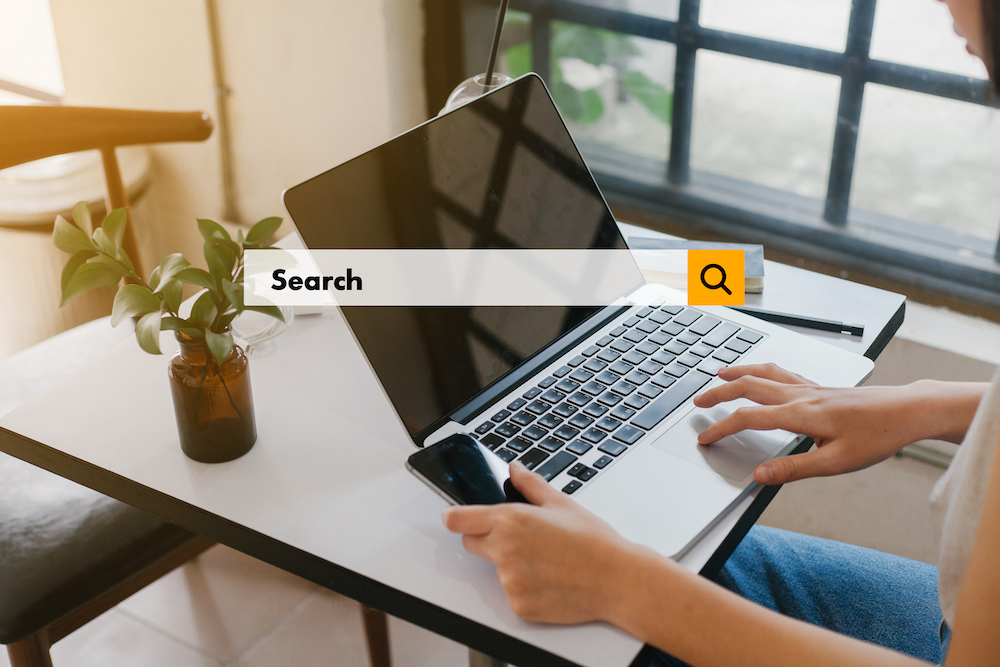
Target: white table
(324,493)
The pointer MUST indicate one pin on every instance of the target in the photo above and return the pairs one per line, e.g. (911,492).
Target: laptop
(596,399)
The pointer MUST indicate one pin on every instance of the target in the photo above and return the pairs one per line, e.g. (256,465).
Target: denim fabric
(866,594)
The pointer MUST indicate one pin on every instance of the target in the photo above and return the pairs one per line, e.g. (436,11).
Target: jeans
(865,594)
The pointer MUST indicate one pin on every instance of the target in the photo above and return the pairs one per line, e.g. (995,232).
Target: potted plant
(209,375)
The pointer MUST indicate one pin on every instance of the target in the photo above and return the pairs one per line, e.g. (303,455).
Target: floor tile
(413,646)
(117,640)
(222,602)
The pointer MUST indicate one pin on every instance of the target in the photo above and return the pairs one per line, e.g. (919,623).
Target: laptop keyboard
(611,394)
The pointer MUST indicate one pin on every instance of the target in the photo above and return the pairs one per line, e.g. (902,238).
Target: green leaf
(114,226)
(72,264)
(170,267)
(593,107)
(263,230)
(177,324)
(81,216)
(89,277)
(111,263)
(133,301)
(239,237)
(234,293)
(204,311)
(147,332)
(577,41)
(172,295)
(519,59)
(569,100)
(273,311)
(196,276)
(619,46)
(220,344)
(212,230)
(220,258)
(657,99)
(226,320)
(104,242)
(69,238)
(154,278)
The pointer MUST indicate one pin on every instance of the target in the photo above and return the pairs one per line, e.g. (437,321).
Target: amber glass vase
(212,402)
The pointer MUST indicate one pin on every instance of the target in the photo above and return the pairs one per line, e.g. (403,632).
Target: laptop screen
(499,172)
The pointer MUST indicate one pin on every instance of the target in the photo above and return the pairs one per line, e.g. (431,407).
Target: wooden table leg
(31,652)
(377,634)
(477,659)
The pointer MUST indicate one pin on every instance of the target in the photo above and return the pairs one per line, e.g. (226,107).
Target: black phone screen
(462,470)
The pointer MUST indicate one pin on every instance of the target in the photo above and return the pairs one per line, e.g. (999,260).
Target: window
(857,133)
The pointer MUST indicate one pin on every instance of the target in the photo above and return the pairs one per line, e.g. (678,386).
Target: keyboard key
(552,396)
(567,386)
(635,335)
(664,380)
(720,335)
(593,388)
(595,365)
(535,432)
(637,378)
(673,310)
(551,444)
(644,311)
(538,407)
(620,367)
(671,328)
(671,399)
(659,338)
(579,447)
(726,356)
(701,349)
(636,402)
(604,341)
(602,462)
(484,427)
(565,409)
(517,404)
(608,424)
(675,347)
(687,317)
(622,345)
(491,440)
(651,367)
(749,336)
(688,338)
(562,371)
(704,325)
(609,399)
(622,413)
(519,444)
(737,345)
(572,486)
(507,429)
(580,375)
(581,421)
(579,399)
(566,432)
(594,435)
(550,421)
(533,458)
(660,317)
(576,361)
(676,369)
(647,348)
(634,357)
(607,378)
(687,359)
(531,393)
(651,391)
(547,382)
(500,416)
(595,410)
(555,465)
(591,351)
(623,388)
(711,366)
(629,434)
(506,454)
(612,447)
(523,418)
(582,472)
(617,331)
(609,355)
(632,321)
(647,327)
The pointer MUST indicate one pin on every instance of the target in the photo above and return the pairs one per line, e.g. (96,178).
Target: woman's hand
(853,427)
(557,562)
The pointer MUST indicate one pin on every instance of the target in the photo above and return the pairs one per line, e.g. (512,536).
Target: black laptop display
(500,172)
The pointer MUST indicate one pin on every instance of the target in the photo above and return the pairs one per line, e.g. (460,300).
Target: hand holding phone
(464,472)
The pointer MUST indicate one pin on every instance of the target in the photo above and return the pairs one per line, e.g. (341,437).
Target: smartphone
(464,472)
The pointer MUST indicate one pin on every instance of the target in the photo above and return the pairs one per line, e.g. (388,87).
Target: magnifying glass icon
(722,280)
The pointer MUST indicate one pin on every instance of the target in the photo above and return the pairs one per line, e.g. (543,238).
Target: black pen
(800,321)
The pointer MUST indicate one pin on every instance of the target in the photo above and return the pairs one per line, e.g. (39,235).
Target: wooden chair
(68,554)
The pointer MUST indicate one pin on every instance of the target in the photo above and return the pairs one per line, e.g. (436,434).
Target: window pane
(764,123)
(612,89)
(929,159)
(661,9)
(919,33)
(818,23)
(28,53)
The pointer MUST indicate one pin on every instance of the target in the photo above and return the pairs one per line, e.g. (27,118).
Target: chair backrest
(35,132)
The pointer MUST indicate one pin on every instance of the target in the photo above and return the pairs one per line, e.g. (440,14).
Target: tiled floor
(225,608)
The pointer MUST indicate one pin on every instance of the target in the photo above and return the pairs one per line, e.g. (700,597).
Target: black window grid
(932,258)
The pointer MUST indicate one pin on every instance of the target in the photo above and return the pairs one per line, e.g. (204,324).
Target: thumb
(816,463)
(534,487)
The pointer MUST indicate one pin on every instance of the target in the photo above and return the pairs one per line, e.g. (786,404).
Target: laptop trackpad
(735,456)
